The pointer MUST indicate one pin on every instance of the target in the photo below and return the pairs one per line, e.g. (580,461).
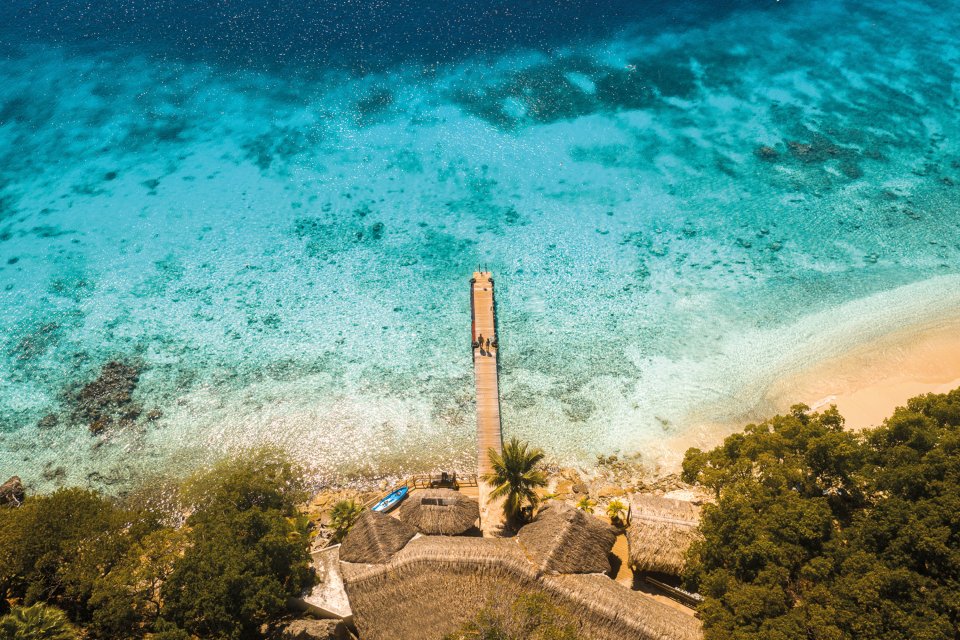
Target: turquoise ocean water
(272,212)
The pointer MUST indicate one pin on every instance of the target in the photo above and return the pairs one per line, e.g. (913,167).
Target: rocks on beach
(310,629)
(12,493)
(613,478)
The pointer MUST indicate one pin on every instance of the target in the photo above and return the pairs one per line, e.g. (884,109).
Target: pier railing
(428,481)
(441,480)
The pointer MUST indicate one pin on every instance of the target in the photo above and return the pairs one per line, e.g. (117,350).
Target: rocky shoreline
(610,478)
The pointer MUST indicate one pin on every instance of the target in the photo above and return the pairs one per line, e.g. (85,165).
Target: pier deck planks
(485,369)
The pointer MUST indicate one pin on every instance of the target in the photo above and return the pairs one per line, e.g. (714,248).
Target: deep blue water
(271,210)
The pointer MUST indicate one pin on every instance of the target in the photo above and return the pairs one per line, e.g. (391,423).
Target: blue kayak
(391,500)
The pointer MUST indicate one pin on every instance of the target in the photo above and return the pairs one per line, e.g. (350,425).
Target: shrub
(37,622)
(586,504)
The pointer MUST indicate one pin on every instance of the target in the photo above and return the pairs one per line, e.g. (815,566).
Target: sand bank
(870,381)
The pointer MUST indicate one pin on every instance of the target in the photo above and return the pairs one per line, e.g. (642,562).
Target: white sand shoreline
(866,382)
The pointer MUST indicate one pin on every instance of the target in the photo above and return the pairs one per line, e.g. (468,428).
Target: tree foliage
(127,598)
(830,534)
(617,512)
(53,548)
(516,477)
(247,549)
(342,516)
(125,573)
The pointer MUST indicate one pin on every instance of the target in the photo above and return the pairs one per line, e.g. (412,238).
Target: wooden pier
(484,342)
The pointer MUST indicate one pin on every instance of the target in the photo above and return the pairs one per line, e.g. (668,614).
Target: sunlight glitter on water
(675,219)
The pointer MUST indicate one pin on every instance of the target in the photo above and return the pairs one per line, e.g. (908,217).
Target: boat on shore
(391,500)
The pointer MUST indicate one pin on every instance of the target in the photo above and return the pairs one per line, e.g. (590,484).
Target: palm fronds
(515,477)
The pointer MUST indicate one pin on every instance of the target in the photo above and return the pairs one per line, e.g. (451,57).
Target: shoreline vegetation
(804,525)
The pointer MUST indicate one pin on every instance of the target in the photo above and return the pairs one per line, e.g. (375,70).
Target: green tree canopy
(126,600)
(247,549)
(342,517)
(53,548)
(830,534)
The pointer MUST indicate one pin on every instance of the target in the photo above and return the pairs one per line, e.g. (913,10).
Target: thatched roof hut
(440,512)
(606,609)
(660,533)
(374,538)
(563,539)
(434,585)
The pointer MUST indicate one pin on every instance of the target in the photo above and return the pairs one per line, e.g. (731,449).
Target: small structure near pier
(374,538)
(660,533)
(440,512)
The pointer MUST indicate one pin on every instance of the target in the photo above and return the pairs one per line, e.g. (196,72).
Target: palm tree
(39,622)
(586,504)
(515,477)
(342,517)
(616,511)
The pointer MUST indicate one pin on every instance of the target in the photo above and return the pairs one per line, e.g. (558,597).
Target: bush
(247,549)
(586,504)
(37,622)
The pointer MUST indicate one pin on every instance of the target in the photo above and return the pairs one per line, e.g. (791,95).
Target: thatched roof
(563,539)
(620,612)
(435,584)
(440,512)
(452,554)
(374,538)
(660,533)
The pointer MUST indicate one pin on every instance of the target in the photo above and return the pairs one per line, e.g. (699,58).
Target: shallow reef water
(680,205)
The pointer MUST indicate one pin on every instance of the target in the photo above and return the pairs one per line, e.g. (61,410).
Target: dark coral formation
(12,493)
(107,401)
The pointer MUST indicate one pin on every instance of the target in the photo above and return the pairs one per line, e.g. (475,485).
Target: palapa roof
(436,584)
(440,512)
(375,538)
(660,533)
(452,554)
(563,539)
(618,612)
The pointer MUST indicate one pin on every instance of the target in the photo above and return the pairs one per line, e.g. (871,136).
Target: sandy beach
(866,383)
(869,382)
